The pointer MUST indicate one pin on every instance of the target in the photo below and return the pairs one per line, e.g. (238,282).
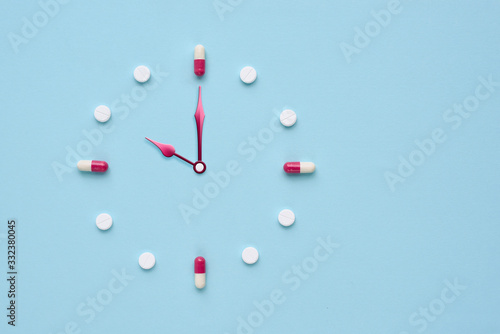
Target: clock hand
(200,117)
(168,150)
(186,160)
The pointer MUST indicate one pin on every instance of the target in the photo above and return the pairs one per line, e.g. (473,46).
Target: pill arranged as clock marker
(286,217)
(299,167)
(199,60)
(248,74)
(142,74)
(250,255)
(147,260)
(199,272)
(94,166)
(102,113)
(288,117)
(104,221)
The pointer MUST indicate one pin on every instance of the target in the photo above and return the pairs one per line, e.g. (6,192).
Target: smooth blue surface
(355,120)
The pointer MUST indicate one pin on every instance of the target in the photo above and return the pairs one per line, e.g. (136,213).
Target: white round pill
(104,221)
(286,217)
(250,255)
(147,260)
(288,117)
(102,114)
(142,73)
(248,74)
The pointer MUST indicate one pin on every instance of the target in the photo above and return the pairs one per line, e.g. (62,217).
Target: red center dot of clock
(199,167)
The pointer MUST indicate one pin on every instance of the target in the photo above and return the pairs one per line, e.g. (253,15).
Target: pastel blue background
(354,121)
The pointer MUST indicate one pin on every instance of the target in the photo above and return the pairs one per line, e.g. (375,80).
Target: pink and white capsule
(299,167)
(199,60)
(199,272)
(92,166)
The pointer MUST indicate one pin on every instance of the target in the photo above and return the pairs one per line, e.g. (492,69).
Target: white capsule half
(199,52)
(307,167)
(84,165)
(200,280)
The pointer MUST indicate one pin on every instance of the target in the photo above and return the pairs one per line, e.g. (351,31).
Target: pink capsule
(199,60)
(92,166)
(299,167)
(199,272)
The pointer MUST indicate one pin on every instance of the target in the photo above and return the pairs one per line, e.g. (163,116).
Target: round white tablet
(147,260)
(104,221)
(142,73)
(286,217)
(250,255)
(288,117)
(102,114)
(248,74)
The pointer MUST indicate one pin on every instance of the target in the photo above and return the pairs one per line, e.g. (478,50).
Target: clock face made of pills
(287,118)
(304,159)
